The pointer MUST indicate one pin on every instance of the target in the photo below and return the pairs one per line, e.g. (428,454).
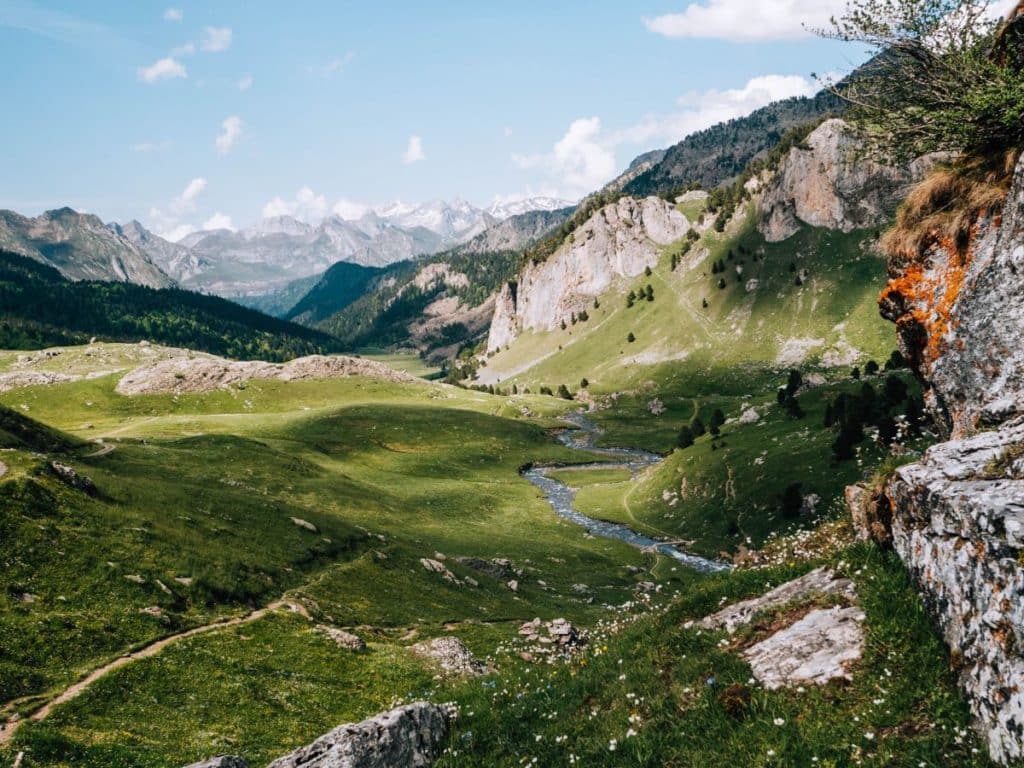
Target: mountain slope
(435,304)
(39,307)
(341,285)
(264,258)
(80,246)
(717,155)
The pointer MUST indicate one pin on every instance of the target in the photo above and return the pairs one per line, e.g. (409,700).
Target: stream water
(561,497)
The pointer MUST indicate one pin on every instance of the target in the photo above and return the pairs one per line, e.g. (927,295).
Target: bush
(944,79)
(685,438)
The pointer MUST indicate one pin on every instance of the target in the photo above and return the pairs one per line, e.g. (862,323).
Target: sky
(189,115)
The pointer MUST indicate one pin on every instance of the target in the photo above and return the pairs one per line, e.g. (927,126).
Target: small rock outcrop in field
(343,639)
(225,761)
(208,373)
(812,647)
(560,634)
(451,655)
(70,476)
(821,581)
(815,650)
(408,737)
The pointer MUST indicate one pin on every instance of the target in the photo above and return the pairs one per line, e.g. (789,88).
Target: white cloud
(216,39)
(413,151)
(231,129)
(350,210)
(164,69)
(584,159)
(337,64)
(508,131)
(186,201)
(176,233)
(183,50)
(746,21)
(245,83)
(169,224)
(143,146)
(218,221)
(173,14)
(307,206)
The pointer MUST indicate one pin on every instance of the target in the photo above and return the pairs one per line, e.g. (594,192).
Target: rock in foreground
(408,737)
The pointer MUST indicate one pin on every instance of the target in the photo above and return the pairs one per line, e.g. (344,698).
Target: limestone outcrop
(411,737)
(829,182)
(956,518)
(206,373)
(619,241)
(958,525)
(807,645)
(959,313)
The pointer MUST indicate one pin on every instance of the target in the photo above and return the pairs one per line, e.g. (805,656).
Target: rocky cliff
(956,517)
(80,247)
(959,312)
(829,182)
(619,241)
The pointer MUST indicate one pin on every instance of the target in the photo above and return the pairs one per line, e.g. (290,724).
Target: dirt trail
(3,469)
(8,729)
(104,449)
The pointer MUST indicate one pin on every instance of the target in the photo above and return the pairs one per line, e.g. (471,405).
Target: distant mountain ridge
(276,251)
(80,247)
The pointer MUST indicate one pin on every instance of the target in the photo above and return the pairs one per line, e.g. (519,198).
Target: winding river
(561,497)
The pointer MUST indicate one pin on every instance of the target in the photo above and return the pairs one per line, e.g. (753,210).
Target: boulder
(451,655)
(412,736)
(224,761)
(821,581)
(342,638)
(819,648)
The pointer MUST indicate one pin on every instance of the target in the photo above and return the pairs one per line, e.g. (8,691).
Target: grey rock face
(821,581)
(407,737)
(451,655)
(958,524)
(960,319)
(829,183)
(80,247)
(620,240)
(225,761)
(817,649)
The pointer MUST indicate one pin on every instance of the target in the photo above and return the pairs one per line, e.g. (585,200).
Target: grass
(831,316)
(194,518)
(651,676)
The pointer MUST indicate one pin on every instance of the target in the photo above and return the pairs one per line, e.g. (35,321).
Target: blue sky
(185,113)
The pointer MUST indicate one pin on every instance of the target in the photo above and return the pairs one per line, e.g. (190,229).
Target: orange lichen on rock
(926,298)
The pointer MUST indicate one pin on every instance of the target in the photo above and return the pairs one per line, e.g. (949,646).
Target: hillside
(80,247)
(39,308)
(719,154)
(435,305)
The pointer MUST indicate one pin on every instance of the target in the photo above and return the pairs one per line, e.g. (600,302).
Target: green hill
(40,308)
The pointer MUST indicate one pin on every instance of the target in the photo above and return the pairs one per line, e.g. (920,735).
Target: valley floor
(397,511)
